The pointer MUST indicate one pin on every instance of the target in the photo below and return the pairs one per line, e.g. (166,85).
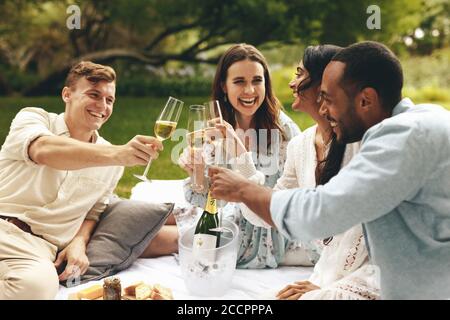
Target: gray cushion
(121,236)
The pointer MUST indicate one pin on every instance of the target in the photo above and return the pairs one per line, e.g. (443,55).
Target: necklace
(322,150)
(326,146)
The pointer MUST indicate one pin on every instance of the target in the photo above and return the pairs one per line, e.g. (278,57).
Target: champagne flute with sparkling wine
(164,127)
(195,138)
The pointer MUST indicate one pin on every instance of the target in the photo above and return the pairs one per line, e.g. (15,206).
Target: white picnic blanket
(246,284)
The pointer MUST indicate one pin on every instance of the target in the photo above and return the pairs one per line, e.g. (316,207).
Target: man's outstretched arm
(373,184)
(64,153)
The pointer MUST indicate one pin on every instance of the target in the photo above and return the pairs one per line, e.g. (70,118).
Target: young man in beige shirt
(56,175)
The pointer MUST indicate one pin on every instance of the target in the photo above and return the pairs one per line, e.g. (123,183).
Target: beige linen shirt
(54,203)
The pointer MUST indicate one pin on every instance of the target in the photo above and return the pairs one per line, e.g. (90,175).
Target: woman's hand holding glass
(189,157)
(231,142)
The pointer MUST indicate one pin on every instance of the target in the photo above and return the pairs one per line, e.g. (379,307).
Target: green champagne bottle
(204,238)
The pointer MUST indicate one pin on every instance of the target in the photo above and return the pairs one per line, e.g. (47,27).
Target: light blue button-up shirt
(398,186)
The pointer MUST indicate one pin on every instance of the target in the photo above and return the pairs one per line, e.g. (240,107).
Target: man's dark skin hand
(233,187)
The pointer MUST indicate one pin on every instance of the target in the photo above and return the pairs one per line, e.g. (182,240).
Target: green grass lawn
(131,116)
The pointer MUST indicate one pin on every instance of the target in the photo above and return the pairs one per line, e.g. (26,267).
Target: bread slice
(161,293)
(131,290)
(143,291)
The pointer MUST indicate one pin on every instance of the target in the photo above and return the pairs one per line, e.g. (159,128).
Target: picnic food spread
(112,290)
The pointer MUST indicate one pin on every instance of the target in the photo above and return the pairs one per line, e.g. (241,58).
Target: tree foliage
(34,38)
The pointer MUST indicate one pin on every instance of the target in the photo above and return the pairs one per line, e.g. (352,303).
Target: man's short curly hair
(372,64)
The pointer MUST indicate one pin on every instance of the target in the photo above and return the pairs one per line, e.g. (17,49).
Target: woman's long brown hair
(268,114)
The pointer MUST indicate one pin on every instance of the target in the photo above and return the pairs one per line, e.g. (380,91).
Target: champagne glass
(195,139)
(213,113)
(212,135)
(215,152)
(214,144)
(164,127)
(220,160)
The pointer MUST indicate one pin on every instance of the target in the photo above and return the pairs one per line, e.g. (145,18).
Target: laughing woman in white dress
(313,158)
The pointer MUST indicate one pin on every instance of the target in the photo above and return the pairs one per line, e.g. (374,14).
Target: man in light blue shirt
(398,186)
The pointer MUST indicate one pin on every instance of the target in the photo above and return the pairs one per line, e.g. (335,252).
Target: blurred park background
(170,47)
